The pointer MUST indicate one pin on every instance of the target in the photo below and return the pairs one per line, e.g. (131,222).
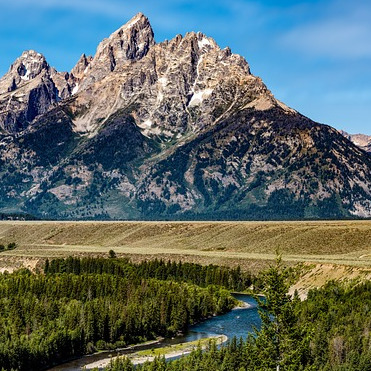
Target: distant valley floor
(337,249)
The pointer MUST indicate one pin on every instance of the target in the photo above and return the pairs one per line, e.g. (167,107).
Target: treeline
(17,216)
(48,318)
(10,246)
(231,278)
(338,318)
(331,330)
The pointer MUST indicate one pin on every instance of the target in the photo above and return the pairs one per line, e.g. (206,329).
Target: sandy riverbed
(136,359)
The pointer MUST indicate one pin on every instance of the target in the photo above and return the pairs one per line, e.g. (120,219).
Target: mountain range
(174,130)
(361,140)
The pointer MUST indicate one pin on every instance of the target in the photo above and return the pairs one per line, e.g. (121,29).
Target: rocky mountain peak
(29,65)
(177,129)
(129,43)
(175,86)
(204,43)
(81,66)
(27,90)
(25,68)
(361,140)
(139,21)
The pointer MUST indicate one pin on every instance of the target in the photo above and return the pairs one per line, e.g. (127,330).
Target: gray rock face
(126,45)
(81,66)
(25,92)
(178,87)
(27,67)
(361,140)
(29,89)
(178,129)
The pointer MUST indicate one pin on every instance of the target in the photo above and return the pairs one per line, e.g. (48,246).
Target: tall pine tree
(281,343)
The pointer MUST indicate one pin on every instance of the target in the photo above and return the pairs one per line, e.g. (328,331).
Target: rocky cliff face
(29,89)
(361,140)
(178,129)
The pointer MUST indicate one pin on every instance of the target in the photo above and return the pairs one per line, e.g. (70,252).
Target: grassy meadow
(228,243)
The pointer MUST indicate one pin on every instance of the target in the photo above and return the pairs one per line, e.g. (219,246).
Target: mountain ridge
(176,129)
(361,140)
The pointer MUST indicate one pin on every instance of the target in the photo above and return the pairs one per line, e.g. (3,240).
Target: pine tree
(281,343)
(46,268)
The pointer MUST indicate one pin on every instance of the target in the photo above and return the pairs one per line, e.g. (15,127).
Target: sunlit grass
(231,243)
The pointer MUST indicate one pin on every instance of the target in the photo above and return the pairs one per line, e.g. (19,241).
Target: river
(239,322)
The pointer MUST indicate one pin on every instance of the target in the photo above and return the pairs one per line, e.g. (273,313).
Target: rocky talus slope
(179,129)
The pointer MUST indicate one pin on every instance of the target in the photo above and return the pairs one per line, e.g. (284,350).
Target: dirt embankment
(317,275)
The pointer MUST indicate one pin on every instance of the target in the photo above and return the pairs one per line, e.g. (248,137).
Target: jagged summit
(139,19)
(130,42)
(29,89)
(173,129)
(30,64)
(361,140)
(25,68)
(174,81)
(81,66)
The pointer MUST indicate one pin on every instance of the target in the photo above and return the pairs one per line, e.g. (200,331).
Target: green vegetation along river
(238,322)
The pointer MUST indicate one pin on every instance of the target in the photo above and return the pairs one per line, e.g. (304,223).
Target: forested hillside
(331,330)
(79,306)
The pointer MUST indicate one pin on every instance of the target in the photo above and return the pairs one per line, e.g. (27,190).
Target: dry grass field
(330,249)
(338,242)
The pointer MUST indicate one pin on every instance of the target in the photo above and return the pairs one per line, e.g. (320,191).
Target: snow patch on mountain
(199,97)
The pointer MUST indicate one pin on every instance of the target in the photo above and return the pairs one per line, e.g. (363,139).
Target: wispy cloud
(342,30)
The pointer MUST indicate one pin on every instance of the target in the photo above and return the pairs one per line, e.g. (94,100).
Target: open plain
(249,244)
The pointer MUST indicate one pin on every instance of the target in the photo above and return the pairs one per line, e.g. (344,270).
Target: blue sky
(314,55)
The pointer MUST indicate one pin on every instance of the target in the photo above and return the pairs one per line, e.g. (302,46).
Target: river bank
(169,352)
(239,323)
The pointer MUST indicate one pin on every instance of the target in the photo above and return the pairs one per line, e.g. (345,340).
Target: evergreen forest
(78,306)
(330,330)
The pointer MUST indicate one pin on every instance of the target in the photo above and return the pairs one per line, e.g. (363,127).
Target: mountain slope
(178,129)
(361,140)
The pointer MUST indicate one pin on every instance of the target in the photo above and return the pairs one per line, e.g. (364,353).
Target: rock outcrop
(361,140)
(178,129)
(29,89)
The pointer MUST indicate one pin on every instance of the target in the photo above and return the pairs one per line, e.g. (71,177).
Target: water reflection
(239,322)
